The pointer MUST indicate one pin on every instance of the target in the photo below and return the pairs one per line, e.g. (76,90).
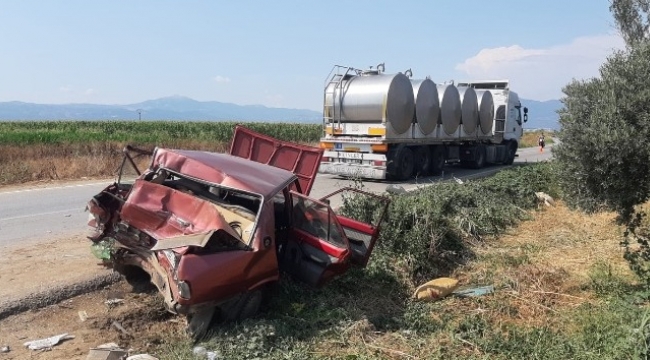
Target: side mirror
(525,117)
(525,110)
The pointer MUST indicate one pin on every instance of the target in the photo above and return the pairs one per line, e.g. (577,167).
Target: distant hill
(168,108)
(542,114)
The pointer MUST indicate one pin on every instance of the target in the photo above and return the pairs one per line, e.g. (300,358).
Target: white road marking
(54,188)
(41,214)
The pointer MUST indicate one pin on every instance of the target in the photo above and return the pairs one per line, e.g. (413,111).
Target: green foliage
(55,132)
(632,18)
(429,230)
(636,242)
(604,155)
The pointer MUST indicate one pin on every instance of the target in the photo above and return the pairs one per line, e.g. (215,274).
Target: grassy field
(46,150)
(562,289)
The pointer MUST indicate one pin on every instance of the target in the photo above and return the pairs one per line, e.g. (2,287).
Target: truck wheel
(511,152)
(479,161)
(401,163)
(423,161)
(437,159)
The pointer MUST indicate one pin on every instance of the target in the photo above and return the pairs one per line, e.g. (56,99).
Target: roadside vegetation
(561,286)
(43,150)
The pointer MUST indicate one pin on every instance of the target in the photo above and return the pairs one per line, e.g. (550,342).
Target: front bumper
(353,170)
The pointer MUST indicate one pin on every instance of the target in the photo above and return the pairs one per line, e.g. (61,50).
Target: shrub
(428,230)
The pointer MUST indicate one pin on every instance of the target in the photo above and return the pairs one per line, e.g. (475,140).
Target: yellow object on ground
(435,289)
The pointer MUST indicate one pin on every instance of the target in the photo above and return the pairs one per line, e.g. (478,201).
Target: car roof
(224,169)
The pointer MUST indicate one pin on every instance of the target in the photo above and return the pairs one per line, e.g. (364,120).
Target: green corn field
(57,132)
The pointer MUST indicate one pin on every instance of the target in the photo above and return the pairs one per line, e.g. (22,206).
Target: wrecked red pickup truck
(212,230)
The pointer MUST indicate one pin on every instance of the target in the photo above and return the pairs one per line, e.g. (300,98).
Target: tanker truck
(392,126)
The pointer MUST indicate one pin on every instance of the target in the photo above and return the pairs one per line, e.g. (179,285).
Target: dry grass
(19,164)
(543,266)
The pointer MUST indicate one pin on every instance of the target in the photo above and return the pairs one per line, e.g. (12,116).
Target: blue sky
(278,53)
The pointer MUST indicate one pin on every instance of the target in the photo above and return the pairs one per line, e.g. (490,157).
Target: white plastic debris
(201,351)
(83,316)
(48,342)
(5,349)
(141,357)
(110,345)
(111,302)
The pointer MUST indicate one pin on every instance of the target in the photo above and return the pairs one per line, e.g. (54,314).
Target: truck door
(301,160)
(361,216)
(316,249)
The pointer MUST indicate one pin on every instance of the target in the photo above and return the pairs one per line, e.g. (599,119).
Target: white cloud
(221,79)
(89,91)
(65,89)
(540,74)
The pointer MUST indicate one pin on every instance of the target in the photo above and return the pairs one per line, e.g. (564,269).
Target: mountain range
(542,114)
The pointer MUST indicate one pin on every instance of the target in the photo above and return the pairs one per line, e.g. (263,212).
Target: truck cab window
(501,112)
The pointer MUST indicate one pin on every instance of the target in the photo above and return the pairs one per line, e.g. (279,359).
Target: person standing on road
(541,143)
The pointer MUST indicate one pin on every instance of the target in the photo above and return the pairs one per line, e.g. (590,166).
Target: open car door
(360,214)
(316,249)
(301,160)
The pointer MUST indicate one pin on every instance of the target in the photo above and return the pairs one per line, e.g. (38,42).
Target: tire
(401,163)
(437,159)
(511,153)
(479,161)
(199,322)
(245,306)
(423,161)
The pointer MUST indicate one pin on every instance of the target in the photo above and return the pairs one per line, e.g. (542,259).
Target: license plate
(351,155)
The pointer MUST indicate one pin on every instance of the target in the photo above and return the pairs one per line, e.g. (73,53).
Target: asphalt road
(39,214)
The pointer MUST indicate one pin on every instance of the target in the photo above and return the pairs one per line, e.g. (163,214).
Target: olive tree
(604,151)
(632,19)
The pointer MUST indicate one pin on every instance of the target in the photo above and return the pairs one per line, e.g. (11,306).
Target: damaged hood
(173,218)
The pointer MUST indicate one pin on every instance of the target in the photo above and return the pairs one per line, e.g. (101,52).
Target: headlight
(184,290)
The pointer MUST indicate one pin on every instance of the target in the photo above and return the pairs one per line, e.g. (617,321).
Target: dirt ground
(36,268)
(141,315)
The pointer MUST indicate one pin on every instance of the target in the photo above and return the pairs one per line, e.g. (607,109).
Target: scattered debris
(119,327)
(83,316)
(113,302)
(106,354)
(48,342)
(477,291)
(201,351)
(5,349)
(141,357)
(395,189)
(544,198)
(435,289)
(108,346)
(459,181)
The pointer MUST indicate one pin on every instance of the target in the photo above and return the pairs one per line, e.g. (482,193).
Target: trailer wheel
(512,151)
(401,163)
(423,160)
(437,159)
(479,161)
